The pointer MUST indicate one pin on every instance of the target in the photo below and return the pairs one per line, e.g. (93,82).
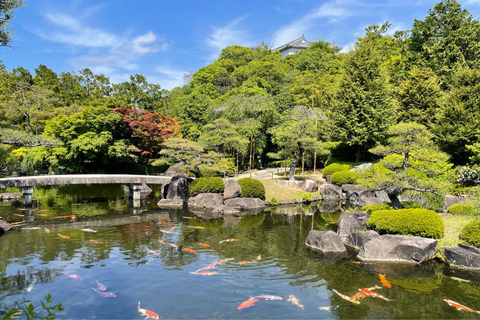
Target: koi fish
(373,288)
(101,286)
(259,257)
(210,266)
(459,306)
(224,260)
(459,279)
(356,262)
(205,273)
(73,218)
(247,262)
(147,313)
(384,281)
(197,227)
(189,218)
(359,295)
(168,231)
(19,215)
(31,285)
(88,230)
(64,237)
(351,299)
(47,231)
(161,241)
(328,308)
(295,301)
(63,217)
(42,215)
(105,294)
(246,304)
(204,245)
(374,294)
(73,276)
(97,242)
(228,240)
(173,245)
(153,252)
(268,297)
(190,250)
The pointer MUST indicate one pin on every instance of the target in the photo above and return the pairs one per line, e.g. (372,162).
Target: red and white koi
(374,294)
(153,252)
(246,304)
(205,273)
(224,260)
(247,262)
(101,286)
(147,313)
(259,257)
(190,250)
(351,299)
(105,294)
(384,281)
(459,306)
(173,245)
(47,230)
(228,240)
(295,301)
(204,245)
(268,297)
(168,231)
(73,276)
(161,241)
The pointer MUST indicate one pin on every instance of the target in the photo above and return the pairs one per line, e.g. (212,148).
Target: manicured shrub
(375,207)
(206,184)
(411,222)
(335,167)
(274,201)
(471,233)
(344,177)
(462,209)
(411,205)
(252,188)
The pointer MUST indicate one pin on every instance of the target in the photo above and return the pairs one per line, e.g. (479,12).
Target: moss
(462,209)
(335,167)
(344,177)
(411,222)
(471,233)
(206,185)
(375,207)
(252,188)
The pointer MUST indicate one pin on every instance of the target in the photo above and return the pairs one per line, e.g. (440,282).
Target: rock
(383,195)
(396,204)
(394,190)
(308,186)
(353,192)
(206,200)
(451,200)
(395,248)
(358,239)
(350,222)
(223,209)
(232,189)
(463,256)
(174,171)
(170,204)
(362,167)
(330,191)
(178,188)
(328,178)
(365,201)
(10,196)
(245,203)
(326,241)
(144,191)
(4,225)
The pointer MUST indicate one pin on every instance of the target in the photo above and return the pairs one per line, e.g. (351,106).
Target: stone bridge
(134,182)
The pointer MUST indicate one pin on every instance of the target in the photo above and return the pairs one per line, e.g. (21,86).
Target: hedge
(335,167)
(206,185)
(252,188)
(411,222)
(471,233)
(462,209)
(411,205)
(375,207)
(344,177)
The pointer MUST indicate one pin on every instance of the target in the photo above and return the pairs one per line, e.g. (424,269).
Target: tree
(221,136)
(139,93)
(7,8)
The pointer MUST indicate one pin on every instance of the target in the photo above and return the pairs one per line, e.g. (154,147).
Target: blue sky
(164,39)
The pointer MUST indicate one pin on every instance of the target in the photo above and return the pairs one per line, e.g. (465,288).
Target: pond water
(126,256)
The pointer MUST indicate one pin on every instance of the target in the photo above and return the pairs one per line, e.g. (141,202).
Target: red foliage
(149,130)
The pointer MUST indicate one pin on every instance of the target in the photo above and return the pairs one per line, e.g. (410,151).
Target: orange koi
(374,294)
(351,299)
(459,306)
(147,313)
(190,250)
(224,260)
(204,245)
(47,231)
(42,214)
(384,281)
(247,262)
(97,242)
(246,304)
(168,231)
(19,215)
(173,245)
(153,252)
(210,266)
(189,218)
(64,237)
(74,276)
(205,273)
(295,301)
(161,241)
(228,240)
(356,262)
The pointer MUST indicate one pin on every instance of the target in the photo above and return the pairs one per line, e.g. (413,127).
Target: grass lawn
(280,192)
(453,226)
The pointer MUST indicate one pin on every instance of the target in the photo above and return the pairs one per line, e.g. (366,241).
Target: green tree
(221,136)
(139,93)
(7,8)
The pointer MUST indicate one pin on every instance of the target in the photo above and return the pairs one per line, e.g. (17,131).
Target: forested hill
(252,106)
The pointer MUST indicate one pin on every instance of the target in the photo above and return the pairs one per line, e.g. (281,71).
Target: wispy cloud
(226,36)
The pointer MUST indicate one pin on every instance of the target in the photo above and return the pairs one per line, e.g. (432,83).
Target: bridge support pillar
(27,196)
(134,190)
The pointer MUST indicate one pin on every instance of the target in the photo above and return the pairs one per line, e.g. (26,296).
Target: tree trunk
(253,157)
(358,155)
(292,168)
(405,162)
(303,162)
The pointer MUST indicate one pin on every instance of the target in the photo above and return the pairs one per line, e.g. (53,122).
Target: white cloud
(170,78)
(226,36)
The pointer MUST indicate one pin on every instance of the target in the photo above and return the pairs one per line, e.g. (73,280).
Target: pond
(267,258)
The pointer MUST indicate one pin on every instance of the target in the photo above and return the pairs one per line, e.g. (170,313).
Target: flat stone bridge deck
(134,182)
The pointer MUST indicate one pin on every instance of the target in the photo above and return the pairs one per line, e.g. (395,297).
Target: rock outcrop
(4,226)
(451,200)
(463,256)
(331,192)
(358,239)
(178,188)
(325,241)
(350,222)
(170,204)
(174,171)
(225,210)
(232,189)
(206,200)
(245,203)
(308,186)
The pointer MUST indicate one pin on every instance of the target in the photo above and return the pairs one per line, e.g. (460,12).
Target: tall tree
(7,8)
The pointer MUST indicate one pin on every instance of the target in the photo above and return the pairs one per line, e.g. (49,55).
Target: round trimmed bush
(206,185)
(375,207)
(411,205)
(410,222)
(252,188)
(335,167)
(462,209)
(471,233)
(344,177)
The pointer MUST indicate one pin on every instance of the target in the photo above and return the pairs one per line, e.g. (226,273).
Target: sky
(164,39)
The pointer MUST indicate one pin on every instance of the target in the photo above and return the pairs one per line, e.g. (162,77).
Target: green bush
(411,205)
(274,201)
(252,188)
(375,207)
(206,184)
(462,210)
(307,196)
(411,222)
(344,177)
(335,167)
(471,233)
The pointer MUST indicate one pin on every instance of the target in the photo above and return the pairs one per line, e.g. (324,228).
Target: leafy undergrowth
(282,193)
(453,226)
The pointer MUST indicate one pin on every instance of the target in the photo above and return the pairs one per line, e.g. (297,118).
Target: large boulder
(463,256)
(245,203)
(178,188)
(358,239)
(170,204)
(451,200)
(350,222)
(225,210)
(232,189)
(174,171)
(365,201)
(383,195)
(331,192)
(353,192)
(308,186)
(4,226)
(325,241)
(10,196)
(206,200)
(362,167)
(395,248)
